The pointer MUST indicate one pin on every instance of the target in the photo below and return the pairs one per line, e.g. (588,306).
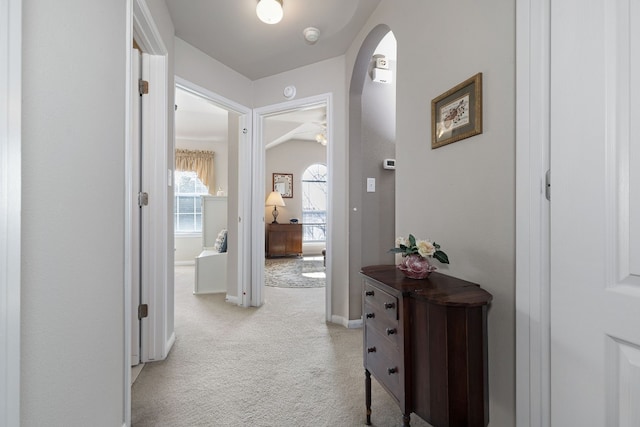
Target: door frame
(10,202)
(140,25)
(258,222)
(244,176)
(533,342)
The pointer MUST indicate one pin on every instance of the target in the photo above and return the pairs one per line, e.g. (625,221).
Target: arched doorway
(372,131)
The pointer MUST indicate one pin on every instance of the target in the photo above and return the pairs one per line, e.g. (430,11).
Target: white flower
(425,248)
(401,241)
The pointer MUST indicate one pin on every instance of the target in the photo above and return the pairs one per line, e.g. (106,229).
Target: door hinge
(143,87)
(547,185)
(143,311)
(143,199)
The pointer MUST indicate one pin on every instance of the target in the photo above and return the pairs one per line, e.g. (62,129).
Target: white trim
(145,30)
(184,263)
(140,25)
(533,372)
(245,179)
(128,206)
(259,114)
(349,324)
(10,202)
(169,343)
(232,300)
(154,244)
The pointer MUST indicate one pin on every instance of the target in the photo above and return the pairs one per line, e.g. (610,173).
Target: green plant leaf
(441,256)
(412,240)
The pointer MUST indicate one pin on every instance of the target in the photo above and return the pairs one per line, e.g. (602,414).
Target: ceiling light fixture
(321,138)
(270,11)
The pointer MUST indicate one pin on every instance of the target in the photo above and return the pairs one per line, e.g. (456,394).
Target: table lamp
(275,200)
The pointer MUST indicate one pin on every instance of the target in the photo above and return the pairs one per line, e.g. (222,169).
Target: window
(314,203)
(187,208)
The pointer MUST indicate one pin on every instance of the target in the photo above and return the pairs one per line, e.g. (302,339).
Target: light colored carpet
(306,272)
(277,365)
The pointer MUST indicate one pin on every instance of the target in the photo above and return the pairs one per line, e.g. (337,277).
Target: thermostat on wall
(389,164)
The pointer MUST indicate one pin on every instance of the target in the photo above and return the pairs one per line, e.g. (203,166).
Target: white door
(135,212)
(595,213)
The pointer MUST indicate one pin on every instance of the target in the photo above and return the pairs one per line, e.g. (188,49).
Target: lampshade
(274,199)
(270,11)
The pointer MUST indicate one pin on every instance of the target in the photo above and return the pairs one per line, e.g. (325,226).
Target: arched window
(314,203)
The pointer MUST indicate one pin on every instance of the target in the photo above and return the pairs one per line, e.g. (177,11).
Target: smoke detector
(311,34)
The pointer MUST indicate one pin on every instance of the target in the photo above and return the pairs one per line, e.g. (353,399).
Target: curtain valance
(199,161)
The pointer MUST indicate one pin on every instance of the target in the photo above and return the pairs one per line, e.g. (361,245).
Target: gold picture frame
(457,113)
(283,183)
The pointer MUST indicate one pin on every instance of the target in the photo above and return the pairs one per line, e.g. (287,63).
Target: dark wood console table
(283,240)
(425,341)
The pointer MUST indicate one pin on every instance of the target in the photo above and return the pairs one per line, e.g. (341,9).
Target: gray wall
(73,115)
(462,195)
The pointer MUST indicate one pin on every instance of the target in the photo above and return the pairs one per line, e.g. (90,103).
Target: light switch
(371,185)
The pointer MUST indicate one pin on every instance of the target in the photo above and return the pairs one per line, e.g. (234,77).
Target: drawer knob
(369,293)
(392,371)
(389,305)
(371,315)
(371,350)
(391,331)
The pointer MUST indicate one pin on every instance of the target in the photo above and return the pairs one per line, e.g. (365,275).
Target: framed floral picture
(457,113)
(283,183)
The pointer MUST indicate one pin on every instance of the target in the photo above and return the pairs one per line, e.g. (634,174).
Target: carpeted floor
(306,272)
(277,365)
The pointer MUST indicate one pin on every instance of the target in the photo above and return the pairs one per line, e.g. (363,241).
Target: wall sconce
(275,200)
(270,11)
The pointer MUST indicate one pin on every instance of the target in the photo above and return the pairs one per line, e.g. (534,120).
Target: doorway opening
(212,127)
(296,168)
(289,138)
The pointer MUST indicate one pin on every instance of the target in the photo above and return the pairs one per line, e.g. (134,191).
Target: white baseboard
(354,324)
(184,263)
(232,300)
(350,324)
(169,344)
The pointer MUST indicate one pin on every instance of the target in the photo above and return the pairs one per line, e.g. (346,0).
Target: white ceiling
(230,32)
(200,121)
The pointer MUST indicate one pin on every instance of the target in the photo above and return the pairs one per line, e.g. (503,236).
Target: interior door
(135,220)
(595,213)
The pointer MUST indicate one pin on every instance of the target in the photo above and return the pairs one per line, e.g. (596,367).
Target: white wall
(323,77)
(197,67)
(72,213)
(462,195)
(292,157)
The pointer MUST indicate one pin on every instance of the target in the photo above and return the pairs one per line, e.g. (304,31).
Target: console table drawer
(376,319)
(384,362)
(381,302)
